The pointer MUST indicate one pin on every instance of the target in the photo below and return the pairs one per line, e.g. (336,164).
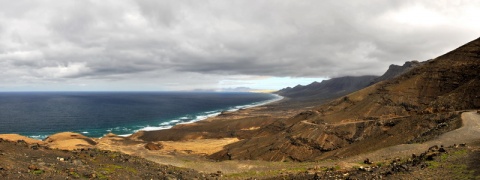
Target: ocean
(94,114)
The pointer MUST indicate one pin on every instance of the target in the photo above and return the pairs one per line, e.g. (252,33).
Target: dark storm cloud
(163,39)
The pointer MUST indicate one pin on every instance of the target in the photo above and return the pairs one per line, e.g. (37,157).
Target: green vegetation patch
(433,164)
(38,172)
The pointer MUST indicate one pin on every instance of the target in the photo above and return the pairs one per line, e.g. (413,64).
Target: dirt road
(469,132)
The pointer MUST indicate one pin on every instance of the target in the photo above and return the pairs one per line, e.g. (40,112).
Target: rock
(22,142)
(433,148)
(77,162)
(32,167)
(152,146)
(367,161)
(430,156)
(367,169)
(442,150)
(35,146)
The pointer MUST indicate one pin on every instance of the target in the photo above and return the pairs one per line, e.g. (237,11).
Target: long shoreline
(212,115)
(168,124)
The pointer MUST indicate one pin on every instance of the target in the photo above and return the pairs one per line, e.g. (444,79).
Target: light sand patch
(69,141)
(250,129)
(198,146)
(16,137)
(70,144)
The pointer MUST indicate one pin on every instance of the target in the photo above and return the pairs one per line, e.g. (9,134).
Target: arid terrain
(445,155)
(420,121)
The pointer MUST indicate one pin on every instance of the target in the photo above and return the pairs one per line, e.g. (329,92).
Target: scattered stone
(217,174)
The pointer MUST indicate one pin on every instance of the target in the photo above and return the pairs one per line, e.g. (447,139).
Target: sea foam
(206,115)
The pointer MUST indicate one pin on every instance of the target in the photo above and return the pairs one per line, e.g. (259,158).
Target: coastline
(212,114)
(166,124)
(190,146)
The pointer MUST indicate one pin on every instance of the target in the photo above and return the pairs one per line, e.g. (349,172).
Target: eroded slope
(413,107)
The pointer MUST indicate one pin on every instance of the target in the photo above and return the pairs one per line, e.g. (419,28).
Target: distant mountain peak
(397,70)
(327,89)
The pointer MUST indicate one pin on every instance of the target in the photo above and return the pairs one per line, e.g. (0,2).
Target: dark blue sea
(94,114)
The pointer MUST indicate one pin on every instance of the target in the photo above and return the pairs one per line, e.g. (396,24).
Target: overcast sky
(157,45)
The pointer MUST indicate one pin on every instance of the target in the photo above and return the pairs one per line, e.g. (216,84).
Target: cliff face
(327,89)
(338,87)
(412,107)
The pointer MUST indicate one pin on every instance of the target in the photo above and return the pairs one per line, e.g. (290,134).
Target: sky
(159,45)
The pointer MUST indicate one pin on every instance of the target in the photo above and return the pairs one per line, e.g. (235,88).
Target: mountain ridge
(412,107)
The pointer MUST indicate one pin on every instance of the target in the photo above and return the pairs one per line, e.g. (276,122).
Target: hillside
(244,123)
(20,160)
(413,107)
(327,89)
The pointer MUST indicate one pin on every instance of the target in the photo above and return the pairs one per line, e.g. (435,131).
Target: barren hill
(413,107)
(327,89)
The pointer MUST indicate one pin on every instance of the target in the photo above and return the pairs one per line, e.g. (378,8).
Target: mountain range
(415,105)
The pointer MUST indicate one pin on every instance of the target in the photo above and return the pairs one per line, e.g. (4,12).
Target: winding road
(468,133)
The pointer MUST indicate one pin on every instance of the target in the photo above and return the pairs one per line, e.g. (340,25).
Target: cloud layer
(161,44)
